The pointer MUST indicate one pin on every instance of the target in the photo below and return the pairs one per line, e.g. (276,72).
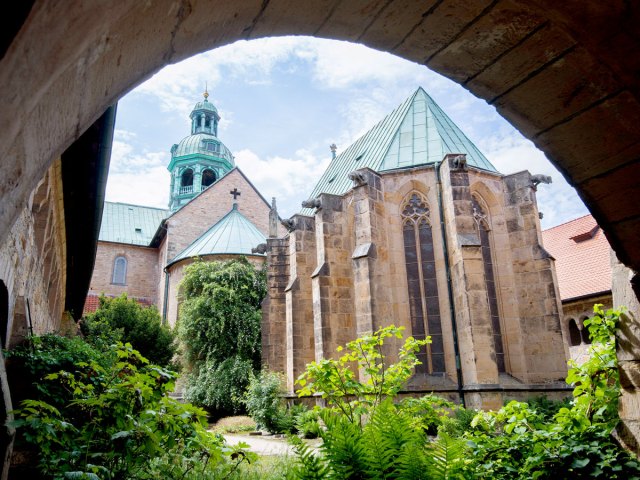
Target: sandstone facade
(482,287)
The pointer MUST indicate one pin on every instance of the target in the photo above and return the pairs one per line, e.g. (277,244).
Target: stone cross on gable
(235,193)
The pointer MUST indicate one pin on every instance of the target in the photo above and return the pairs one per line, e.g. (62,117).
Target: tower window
(207,122)
(424,304)
(186,180)
(119,271)
(208,177)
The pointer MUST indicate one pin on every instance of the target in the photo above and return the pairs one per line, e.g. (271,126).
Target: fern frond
(310,465)
(445,458)
(344,448)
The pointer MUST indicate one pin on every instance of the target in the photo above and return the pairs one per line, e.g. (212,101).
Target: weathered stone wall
(579,311)
(300,344)
(332,280)
(542,344)
(33,262)
(142,271)
(625,294)
(274,310)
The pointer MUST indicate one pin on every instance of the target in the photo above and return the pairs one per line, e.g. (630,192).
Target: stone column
(300,343)
(473,320)
(332,279)
(628,351)
(370,255)
(274,305)
(542,353)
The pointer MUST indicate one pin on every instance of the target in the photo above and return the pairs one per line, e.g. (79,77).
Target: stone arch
(585,52)
(574,333)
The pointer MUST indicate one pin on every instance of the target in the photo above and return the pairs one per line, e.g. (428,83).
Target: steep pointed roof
(233,234)
(417,132)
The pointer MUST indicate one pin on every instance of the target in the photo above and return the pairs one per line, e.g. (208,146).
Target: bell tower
(200,159)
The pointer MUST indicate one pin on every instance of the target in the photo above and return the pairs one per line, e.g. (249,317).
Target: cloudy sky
(283,101)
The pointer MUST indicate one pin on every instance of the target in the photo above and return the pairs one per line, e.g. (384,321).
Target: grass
(237,424)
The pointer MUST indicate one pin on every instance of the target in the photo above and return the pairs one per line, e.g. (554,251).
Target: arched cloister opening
(574,333)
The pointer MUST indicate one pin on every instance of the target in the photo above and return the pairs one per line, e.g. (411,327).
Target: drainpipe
(452,308)
(166,295)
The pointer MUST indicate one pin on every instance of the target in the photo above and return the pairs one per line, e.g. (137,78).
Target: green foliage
(116,421)
(337,381)
(428,411)
(519,441)
(263,399)
(123,319)
(308,423)
(219,328)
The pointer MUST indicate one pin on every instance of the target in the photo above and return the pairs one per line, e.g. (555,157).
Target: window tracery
(422,283)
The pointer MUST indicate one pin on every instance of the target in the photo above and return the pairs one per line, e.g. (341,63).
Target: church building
(412,225)
(215,213)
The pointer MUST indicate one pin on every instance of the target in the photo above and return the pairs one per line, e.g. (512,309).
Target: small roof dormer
(204,117)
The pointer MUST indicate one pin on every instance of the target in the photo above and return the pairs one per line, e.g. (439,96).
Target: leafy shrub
(519,441)
(29,363)
(123,319)
(219,328)
(337,381)
(117,420)
(263,399)
(428,411)
(308,423)
(288,416)
(458,423)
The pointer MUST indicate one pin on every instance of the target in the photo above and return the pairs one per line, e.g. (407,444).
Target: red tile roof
(582,256)
(92,302)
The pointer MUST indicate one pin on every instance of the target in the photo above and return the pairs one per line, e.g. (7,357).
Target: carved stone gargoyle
(538,179)
(460,162)
(358,178)
(261,248)
(312,203)
(289,224)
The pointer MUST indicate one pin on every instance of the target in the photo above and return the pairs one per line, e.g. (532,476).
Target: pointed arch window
(482,225)
(424,304)
(119,271)
(574,333)
(208,177)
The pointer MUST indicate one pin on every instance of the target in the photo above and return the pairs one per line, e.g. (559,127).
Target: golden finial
(206,91)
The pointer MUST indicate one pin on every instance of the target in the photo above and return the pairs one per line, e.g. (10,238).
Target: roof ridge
(134,205)
(570,221)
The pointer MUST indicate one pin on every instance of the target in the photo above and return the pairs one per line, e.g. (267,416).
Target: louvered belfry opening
(422,283)
(482,224)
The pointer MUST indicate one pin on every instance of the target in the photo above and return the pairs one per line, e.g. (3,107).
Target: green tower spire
(199,159)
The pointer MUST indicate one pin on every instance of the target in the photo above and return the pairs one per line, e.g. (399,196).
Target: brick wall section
(274,353)
(142,271)
(195,218)
(300,344)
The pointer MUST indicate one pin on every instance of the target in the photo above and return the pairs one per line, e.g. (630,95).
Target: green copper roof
(133,224)
(417,132)
(198,144)
(234,234)
(204,105)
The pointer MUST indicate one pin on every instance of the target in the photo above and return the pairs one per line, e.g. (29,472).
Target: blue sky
(283,101)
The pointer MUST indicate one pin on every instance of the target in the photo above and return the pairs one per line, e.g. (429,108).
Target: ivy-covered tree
(219,327)
(123,319)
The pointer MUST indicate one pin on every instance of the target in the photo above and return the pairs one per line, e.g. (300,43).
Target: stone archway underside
(566,74)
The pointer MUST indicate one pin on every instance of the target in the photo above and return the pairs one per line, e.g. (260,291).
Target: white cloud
(287,179)
(149,188)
